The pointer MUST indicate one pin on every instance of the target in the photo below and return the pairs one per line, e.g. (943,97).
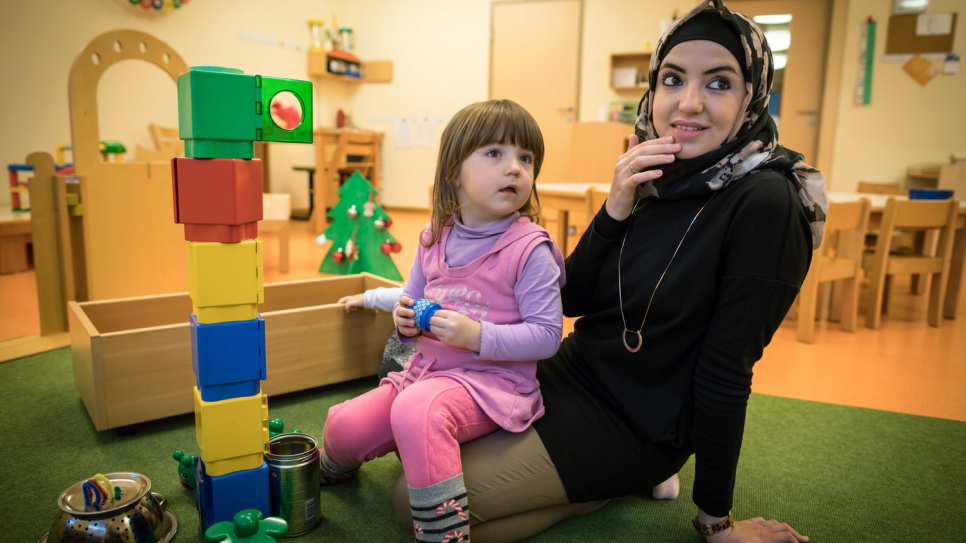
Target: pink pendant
(640,340)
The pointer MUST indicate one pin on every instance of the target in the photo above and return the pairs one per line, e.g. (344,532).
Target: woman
(681,280)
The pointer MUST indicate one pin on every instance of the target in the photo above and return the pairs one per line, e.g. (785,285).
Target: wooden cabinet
(628,71)
(370,72)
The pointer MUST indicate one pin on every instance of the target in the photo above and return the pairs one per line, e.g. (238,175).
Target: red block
(217,199)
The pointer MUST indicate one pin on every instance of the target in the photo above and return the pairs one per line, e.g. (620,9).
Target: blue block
(228,358)
(218,498)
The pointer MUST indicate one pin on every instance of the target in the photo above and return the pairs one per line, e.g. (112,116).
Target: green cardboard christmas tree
(359,233)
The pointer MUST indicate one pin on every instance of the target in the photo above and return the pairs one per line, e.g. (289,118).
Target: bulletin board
(901,38)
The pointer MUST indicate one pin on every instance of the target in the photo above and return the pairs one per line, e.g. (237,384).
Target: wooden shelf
(634,67)
(370,72)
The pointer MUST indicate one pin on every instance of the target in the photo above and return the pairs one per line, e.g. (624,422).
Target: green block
(218,149)
(302,92)
(217,104)
(226,105)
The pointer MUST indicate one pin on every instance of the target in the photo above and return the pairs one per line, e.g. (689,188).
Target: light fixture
(910,6)
(779,40)
(780,61)
(778,19)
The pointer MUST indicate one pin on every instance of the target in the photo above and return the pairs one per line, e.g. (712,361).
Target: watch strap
(711,529)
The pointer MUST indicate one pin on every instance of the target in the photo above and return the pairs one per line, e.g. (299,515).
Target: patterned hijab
(753,143)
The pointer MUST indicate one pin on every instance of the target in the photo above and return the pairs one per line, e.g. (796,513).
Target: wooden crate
(132,356)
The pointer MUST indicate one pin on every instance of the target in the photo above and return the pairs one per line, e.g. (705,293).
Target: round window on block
(286,110)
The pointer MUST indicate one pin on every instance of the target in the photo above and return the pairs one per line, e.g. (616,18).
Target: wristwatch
(711,529)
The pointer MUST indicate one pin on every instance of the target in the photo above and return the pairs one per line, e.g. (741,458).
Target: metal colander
(137,517)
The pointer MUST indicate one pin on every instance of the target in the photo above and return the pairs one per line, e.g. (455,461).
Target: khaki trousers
(512,488)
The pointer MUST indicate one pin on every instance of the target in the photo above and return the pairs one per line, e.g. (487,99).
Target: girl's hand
(352,302)
(403,317)
(639,157)
(758,530)
(456,330)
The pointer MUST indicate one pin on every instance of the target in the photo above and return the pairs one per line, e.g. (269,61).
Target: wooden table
(15,234)
(564,198)
(567,197)
(280,228)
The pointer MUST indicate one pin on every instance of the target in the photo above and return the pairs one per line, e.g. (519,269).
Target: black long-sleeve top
(620,422)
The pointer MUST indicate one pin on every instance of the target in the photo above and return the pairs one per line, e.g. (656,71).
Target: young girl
(497,276)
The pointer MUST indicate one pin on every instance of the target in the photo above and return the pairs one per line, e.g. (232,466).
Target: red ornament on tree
(338,256)
(388,222)
(386,248)
(396,247)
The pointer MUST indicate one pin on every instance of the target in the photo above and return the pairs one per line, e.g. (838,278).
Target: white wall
(617,26)
(440,50)
(906,123)
(441,53)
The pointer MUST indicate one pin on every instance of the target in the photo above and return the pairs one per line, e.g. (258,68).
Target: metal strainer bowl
(137,517)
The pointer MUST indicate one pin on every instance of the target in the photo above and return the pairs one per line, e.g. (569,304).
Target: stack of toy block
(218,198)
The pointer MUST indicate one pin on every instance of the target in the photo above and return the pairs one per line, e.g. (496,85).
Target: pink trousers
(425,422)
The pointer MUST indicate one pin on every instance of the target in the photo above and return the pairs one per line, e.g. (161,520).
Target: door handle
(807,112)
(565,108)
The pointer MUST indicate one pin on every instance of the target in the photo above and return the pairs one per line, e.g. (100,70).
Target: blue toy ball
(424,309)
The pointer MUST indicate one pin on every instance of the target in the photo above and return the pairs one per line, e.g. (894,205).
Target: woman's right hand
(758,530)
(403,317)
(640,156)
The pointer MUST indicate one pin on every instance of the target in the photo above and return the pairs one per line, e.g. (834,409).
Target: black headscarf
(752,144)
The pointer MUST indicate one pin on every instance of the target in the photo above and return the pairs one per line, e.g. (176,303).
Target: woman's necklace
(620,296)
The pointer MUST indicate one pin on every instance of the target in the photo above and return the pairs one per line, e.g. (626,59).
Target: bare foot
(668,490)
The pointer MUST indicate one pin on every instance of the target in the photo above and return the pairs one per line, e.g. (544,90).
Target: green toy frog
(186,469)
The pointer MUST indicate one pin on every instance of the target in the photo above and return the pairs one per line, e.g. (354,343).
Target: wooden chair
(901,241)
(165,137)
(841,261)
(167,144)
(919,215)
(340,153)
(953,176)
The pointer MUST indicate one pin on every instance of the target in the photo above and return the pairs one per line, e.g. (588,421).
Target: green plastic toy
(186,469)
(222,111)
(276,427)
(248,527)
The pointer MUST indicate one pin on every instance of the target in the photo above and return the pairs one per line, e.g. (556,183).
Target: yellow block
(241,463)
(234,430)
(225,274)
(226,313)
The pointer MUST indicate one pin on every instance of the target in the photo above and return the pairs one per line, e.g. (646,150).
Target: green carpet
(838,474)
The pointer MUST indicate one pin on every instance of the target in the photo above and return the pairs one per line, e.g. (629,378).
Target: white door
(535,52)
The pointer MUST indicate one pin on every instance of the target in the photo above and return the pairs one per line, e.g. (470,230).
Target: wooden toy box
(132,356)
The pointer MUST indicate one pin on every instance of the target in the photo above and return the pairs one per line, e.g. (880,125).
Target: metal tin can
(293,467)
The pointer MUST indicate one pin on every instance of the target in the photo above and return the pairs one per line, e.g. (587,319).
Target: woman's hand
(639,157)
(403,317)
(456,330)
(758,530)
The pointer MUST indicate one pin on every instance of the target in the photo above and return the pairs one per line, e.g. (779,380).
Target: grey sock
(441,512)
(331,473)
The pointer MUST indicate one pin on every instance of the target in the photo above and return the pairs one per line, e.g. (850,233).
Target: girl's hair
(474,126)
